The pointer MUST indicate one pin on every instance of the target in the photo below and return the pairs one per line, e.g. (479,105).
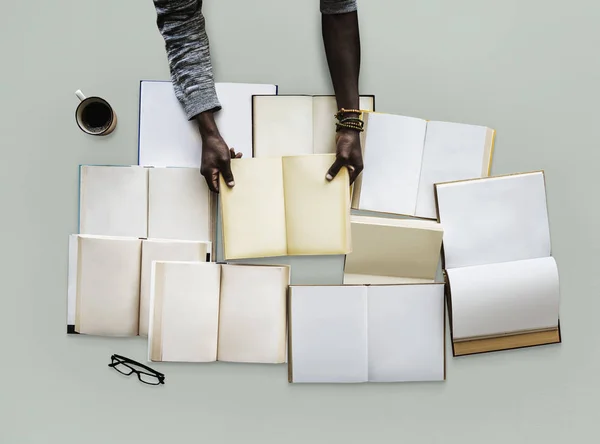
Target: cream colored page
(252,325)
(283,126)
(72,279)
(113,201)
(108,286)
(510,297)
(453,151)
(328,334)
(190,311)
(164,250)
(371,279)
(155,311)
(324,110)
(317,210)
(253,211)
(178,205)
(493,220)
(394,248)
(393,149)
(406,333)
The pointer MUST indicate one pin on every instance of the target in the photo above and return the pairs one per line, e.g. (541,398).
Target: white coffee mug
(94,115)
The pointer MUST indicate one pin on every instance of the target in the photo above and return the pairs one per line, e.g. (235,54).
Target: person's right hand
(216,155)
(216,159)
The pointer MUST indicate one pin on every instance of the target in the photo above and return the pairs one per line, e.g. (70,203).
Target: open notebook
(378,333)
(405,156)
(393,251)
(288,125)
(168,138)
(502,280)
(132,201)
(109,281)
(285,207)
(209,312)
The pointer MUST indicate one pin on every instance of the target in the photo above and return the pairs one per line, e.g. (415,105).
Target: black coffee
(96,117)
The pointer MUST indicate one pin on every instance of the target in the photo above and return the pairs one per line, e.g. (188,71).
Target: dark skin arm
(342,48)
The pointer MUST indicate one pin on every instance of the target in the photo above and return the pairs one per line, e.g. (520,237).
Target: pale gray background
(529,68)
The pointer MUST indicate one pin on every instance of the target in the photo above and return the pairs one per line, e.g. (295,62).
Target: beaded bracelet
(354,123)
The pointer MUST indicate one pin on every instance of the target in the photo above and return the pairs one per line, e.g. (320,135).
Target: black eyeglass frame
(118,359)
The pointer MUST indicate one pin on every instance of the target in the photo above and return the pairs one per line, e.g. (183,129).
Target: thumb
(227,174)
(335,168)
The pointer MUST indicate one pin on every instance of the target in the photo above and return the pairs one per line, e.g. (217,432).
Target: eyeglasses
(128,366)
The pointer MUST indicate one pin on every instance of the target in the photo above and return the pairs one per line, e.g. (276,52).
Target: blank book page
(178,204)
(190,310)
(317,211)
(253,211)
(453,151)
(393,149)
(406,332)
(496,299)
(329,334)
(252,325)
(497,219)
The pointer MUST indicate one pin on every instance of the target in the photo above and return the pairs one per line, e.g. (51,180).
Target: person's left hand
(348,154)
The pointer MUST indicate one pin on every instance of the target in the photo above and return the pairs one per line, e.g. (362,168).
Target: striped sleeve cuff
(200,100)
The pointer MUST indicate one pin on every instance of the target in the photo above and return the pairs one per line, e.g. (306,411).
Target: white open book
(109,281)
(287,125)
(502,280)
(285,207)
(378,333)
(168,138)
(393,251)
(203,312)
(405,156)
(133,201)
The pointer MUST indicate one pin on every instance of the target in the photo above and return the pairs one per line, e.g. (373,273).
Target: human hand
(348,154)
(216,159)
(216,155)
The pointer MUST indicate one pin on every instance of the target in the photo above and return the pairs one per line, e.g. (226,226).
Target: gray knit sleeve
(181,24)
(338,6)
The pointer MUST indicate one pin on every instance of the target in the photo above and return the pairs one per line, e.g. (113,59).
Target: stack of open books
(144,261)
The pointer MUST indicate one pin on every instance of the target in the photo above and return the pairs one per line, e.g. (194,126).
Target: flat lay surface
(526,69)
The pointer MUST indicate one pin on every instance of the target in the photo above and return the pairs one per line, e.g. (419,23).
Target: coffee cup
(94,115)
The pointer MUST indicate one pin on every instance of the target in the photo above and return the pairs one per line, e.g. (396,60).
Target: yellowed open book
(284,206)
(393,251)
(204,312)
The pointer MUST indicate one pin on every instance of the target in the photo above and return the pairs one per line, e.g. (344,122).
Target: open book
(209,312)
(393,251)
(132,201)
(287,125)
(502,280)
(405,156)
(285,207)
(168,138)
(378,333)
(109,281)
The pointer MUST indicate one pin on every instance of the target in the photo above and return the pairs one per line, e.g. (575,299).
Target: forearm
(182,26)
(342,47)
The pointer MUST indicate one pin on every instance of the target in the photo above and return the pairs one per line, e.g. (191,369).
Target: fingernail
(329,177)
(230,184)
